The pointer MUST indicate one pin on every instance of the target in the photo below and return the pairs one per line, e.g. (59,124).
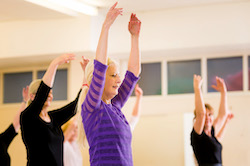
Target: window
(180,76)
(13,86)
(230,69)
(150,80)
(60,84)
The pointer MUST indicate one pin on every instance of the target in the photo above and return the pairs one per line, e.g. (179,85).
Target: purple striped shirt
(106,127)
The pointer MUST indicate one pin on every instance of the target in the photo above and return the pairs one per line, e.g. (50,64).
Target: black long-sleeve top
(5,139)
(43,140)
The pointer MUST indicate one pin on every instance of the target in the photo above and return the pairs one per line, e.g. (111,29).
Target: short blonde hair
(33,87)
(207,106)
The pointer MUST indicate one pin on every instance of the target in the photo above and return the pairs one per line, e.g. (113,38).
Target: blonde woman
(41,128)
(107,130)
(9,134)
(208,131)
(71,150)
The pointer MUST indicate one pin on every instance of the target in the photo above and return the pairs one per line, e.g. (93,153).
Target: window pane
(180,76)
(60,85)
(150,80)
(230,69)
(13,86)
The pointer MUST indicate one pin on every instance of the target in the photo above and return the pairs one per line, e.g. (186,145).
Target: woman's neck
(105,99)
(207,131)
(44,115)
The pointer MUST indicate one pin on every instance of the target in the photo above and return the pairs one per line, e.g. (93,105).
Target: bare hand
(138,91)
(65,58)
(134,25)
(26,94)
(112,15)
(230,116)
(84,63)
(197,82)
(220,85)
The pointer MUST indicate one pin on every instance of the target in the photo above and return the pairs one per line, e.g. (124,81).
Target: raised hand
(65,58)
(134,25)
(138,91)
(230,116)
(84,63)
(220,85)
(112,15)
(25,94)
(197,82)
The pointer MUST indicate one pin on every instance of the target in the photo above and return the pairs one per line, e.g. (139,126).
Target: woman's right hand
(65,58)
(25,94)
(197,82)
(138,91)
(112,15)
(84,63)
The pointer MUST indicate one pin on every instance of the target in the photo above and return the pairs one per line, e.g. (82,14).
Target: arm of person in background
(134,62)
(223,108)
(16,121)
(137,107)
(70,131)
(101,51)
(220,135)
(49,76)
(200,110)
(84,63)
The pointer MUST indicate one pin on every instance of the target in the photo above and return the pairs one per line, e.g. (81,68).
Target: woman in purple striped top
(107,130)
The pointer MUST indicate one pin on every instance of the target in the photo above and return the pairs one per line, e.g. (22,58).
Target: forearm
(137,106)
(16,121)
(101,51)
(199,103)
(221,133)
(223,109)
(49,76)
(134,63)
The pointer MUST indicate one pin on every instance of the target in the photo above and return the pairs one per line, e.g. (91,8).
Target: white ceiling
(12,10)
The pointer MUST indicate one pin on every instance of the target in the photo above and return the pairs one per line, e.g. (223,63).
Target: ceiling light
(69,7)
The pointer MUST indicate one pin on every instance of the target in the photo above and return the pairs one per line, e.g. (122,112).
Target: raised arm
(221,133)
(223,109)
(84,63)
(134,63)
(101,51)
(49,76)
(137,107)
(200,110)
(16,121)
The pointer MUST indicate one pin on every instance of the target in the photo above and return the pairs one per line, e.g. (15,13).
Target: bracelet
(85,85)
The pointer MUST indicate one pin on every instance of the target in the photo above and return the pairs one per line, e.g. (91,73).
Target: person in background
(41,128)
(208,131)
(71,150)
(137,108)
(107,130)
(9,134)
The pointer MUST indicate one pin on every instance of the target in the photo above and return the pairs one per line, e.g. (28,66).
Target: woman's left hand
(220,85)
(134,25)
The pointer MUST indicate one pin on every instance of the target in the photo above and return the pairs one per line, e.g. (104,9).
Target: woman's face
(209,118)
(49,99)
(112,82)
